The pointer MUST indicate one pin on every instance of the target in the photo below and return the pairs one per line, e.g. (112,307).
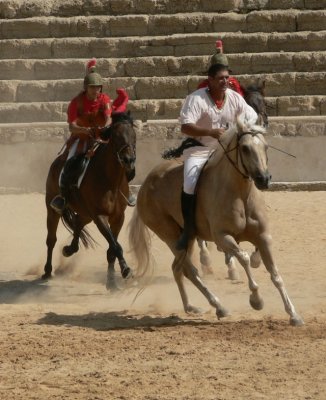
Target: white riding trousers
(194,161)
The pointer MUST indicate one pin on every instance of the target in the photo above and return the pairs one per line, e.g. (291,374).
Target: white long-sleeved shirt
(199,109)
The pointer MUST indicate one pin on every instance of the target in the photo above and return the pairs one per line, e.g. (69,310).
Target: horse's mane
(240,126)
(122,117)
(255,88)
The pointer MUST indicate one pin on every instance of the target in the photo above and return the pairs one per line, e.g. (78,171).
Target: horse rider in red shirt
(87,113)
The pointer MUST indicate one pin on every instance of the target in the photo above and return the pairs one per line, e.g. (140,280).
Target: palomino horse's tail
(68,220)
(140,243)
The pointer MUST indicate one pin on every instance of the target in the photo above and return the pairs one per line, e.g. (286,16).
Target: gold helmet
(92,78)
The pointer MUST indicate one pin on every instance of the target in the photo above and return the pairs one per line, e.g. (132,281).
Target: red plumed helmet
(90,66)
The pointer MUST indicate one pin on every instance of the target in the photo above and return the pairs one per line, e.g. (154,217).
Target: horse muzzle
(262,181)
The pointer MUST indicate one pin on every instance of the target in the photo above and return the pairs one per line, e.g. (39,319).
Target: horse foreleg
(110,279)
(230,246)
(79,224)
(265,244)
(52,225)
(114,251)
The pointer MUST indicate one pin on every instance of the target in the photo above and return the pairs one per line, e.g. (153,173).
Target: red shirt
(103,102)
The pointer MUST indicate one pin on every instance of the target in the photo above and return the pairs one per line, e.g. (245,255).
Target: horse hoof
(296,321)
(207,270)
(68,251)
(46,276)
(127,273)
(233,275)
(256,302)
(222,312)
(193,310)
(112,287)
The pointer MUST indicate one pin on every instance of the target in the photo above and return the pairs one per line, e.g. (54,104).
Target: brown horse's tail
(68,220)
(140,244)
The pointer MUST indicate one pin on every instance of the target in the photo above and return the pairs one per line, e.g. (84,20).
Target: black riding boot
(70,174)
(188,204)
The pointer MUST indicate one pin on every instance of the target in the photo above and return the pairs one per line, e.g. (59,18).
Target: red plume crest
(219,45)
(90,66)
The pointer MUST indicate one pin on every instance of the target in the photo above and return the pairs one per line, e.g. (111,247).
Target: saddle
(73,170)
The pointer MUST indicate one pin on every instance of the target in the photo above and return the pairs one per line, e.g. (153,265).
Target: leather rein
(238,154)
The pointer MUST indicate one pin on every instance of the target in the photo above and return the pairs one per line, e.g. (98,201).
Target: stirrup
(58,204)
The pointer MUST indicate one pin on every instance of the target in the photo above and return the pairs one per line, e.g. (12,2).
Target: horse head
(122,139)
(252,153)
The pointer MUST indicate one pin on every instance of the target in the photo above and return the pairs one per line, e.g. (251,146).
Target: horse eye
(245,148)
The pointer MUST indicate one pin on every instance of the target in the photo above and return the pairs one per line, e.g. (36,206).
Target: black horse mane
(254,88)
(121,117)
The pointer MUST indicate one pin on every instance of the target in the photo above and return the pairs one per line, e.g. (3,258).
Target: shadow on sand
(118,321)
(12,291)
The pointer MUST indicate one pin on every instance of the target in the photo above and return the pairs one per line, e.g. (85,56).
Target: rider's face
(93,91)
(220,82)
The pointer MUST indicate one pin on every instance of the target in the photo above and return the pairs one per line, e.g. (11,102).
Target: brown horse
(230,209)
(102,196)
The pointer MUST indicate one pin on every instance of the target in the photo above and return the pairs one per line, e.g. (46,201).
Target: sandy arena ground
(70,339)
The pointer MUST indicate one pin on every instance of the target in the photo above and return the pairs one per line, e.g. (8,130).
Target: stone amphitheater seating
(158,50)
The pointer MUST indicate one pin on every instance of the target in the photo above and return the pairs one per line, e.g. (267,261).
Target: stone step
(156,109)
(172,45)
(57,132)
(174,87)
(155,25)
(68,8)
(245,63)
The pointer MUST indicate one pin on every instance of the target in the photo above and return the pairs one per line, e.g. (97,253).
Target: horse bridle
(235,164)
(125,146)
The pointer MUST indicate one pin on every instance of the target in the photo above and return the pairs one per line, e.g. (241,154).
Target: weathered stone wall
(159,51)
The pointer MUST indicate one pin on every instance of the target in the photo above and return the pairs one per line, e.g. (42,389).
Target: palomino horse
(102,196)
(230,209)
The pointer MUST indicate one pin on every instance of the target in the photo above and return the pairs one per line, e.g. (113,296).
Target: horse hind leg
(182,266)
(233,273)
(205,258)
(169,233)
(191,272)
(255,258)
(52,225)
